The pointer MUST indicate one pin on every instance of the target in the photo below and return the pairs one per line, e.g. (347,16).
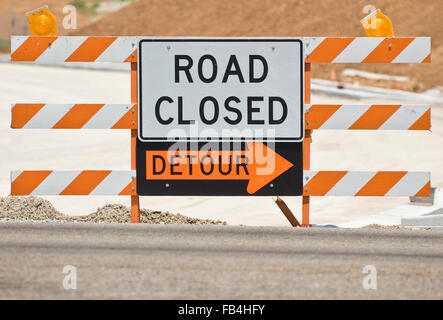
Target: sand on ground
(110,149)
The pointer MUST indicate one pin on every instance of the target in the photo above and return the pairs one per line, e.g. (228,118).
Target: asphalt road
(216,262)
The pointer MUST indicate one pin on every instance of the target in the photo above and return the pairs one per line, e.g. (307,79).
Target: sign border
(221,139)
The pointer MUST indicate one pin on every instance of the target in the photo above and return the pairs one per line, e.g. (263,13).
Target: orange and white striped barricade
(318,49)
(73,116)
(53,49)
(80,182)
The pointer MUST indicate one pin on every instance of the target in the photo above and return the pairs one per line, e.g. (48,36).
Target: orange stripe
(132,57)
(381,183)
(425,191)
(427,59)
(27,181)
(374,117)
(423,123)
(319,114)
(85,182)
(91,49)
(382,53)
(125,122)
(32,48)
(328,49)
(77,117)
(322,182)
(21,113)
(128,189)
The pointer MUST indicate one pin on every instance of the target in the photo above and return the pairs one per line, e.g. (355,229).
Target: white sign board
(221,89)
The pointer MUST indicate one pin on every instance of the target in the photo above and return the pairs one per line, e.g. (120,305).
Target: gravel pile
(29,208)
(121,214)
(38,209)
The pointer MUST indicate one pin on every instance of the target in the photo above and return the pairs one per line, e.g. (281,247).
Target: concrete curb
(408,215)
(424,221)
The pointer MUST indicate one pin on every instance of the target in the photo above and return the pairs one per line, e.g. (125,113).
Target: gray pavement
(217,262)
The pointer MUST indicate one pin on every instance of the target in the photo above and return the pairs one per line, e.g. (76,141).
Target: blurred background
(230,18)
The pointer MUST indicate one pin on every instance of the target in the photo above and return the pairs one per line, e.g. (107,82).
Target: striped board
(124,116)
(318,49)
(368,50)
(361,183)
(81,182)
(316,183)
(73,116)
(368,117)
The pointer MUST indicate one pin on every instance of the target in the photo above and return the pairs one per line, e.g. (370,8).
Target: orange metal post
(135,203)
(307,146)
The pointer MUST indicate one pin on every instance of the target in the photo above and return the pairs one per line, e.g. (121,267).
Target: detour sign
(257,165)
(250,168)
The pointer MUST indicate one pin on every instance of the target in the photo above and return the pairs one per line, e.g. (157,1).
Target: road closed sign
(221,89)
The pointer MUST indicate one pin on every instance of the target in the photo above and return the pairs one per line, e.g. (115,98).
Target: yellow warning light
(376,24)
(42,22)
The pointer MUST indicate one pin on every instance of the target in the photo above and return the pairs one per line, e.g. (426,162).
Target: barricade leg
(306,147)
(135,202)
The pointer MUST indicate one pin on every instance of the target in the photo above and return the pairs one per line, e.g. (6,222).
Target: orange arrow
(259,165)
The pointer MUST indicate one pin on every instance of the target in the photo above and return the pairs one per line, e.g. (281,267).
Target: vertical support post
(135,202)
(307,147)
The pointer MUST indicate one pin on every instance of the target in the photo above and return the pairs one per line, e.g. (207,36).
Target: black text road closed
(221,89)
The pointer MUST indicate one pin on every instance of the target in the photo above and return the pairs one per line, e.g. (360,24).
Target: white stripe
(48,116)
(409,184)
(107,116)
(308,175)
(15,174)
(358,50)
(312,43)
(114,183)
(61,49)
(416,51)
(404,117)
(351,183)
(345,116)
(16,42)
(119,50)
(55,183)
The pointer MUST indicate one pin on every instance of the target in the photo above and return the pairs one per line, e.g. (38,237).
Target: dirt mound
(31,208)
(283,18)
(38,209)
(121,214)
